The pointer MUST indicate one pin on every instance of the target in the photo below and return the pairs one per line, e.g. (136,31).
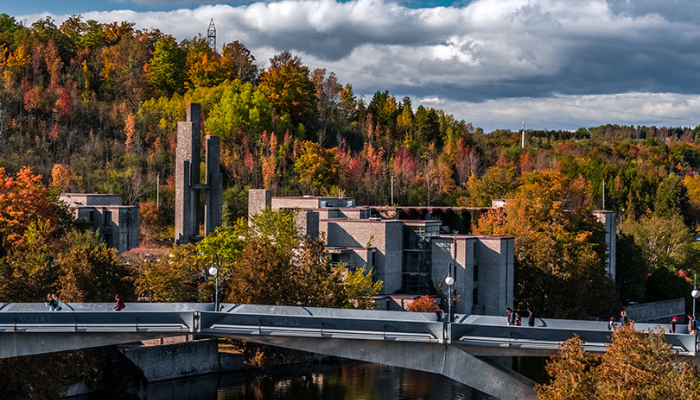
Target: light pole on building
(213,271)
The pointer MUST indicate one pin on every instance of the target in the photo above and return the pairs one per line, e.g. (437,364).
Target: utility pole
(603,194)
(392,191)
(158,192)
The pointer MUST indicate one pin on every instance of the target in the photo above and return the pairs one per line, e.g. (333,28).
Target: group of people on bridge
(513,318)
(693,325)
(53,303)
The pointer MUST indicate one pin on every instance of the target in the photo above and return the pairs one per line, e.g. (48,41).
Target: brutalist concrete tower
(187,180)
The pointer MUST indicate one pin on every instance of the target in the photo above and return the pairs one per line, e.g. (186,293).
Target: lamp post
(213,271)
(695,293)
(449,280)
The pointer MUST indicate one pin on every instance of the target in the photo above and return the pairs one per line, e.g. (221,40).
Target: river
(342,381)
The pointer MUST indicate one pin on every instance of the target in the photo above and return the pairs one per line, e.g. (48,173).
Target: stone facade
(188,182)
(411,256)
(117,225)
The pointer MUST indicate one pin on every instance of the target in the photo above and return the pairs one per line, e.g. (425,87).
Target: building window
(106,217)
(417,259)
(475,297)
(476,272)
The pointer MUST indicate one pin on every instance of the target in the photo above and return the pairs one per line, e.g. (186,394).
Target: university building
(411,249)
(118,225)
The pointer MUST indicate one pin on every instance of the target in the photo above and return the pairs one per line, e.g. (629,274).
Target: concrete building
(411,249)
(187,180)
(609,221)
(117,225)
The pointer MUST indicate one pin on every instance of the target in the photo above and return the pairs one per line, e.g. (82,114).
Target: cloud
(573,112)
(484,51)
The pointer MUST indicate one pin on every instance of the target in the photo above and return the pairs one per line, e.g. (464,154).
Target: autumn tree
(672,199)
(263,276)
(558,251)
(88,270)
(238,62)
(425,304)
(290,89)
(317,167)
(636,366)
(26,271)
(23,201)
(316,282)
(176,275)
(360,289)
(664,242)
(167,67)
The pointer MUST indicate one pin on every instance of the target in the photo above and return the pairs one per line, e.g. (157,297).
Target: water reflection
(345,381)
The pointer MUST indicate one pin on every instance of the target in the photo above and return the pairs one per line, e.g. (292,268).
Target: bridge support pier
(449,361)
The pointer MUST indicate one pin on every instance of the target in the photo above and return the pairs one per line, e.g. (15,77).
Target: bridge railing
(547,334)
(97,322)
(320,326)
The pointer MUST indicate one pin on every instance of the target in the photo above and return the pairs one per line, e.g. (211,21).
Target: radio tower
(211,35)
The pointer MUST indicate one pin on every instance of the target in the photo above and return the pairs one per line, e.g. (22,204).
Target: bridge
(402,339)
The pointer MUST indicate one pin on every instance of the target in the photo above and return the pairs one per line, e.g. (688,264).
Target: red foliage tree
(424,304)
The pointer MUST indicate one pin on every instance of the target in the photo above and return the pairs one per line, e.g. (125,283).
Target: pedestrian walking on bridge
(51,302)
(673,325)
(119,303)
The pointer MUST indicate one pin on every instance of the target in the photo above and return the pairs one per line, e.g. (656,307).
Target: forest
(91,107)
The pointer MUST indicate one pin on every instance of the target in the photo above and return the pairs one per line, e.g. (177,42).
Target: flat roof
(363,220)
(100,206)
(89,194)
(463,237)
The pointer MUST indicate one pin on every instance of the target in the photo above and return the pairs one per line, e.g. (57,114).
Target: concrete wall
(494,258)
(385,236)
(455,251)
(176,360)
(307,222)
(118,225)
(656,310)
(258,200)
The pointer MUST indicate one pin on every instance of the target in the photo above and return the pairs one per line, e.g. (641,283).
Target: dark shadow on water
(343,380)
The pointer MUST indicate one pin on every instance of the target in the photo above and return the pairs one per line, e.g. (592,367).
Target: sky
(552,64)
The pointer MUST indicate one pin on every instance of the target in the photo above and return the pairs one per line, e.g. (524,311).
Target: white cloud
(508,52)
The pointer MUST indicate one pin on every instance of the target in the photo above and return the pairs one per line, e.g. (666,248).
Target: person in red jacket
(119,303)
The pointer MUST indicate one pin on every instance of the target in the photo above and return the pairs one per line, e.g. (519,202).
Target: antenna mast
(523,139)
(211,35)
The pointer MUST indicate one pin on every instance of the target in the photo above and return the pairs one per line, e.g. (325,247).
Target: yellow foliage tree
(637,366)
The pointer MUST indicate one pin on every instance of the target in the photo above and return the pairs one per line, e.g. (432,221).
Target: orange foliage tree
(559,258)
(23,200)
(637,366)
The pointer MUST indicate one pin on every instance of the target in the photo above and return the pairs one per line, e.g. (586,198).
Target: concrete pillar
(258,200)
(187,163)
(213,205)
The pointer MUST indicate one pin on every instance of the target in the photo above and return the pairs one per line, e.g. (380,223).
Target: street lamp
(213,271)
(449,281)
(695,293)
